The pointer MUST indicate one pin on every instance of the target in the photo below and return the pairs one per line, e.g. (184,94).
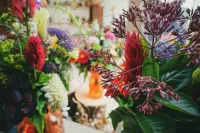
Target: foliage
(27,65)
(162,94)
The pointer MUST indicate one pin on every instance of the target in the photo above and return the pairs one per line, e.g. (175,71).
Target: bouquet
(158,86)
(33,77)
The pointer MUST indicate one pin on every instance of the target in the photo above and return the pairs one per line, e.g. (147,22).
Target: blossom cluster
(64,40)
(55,92)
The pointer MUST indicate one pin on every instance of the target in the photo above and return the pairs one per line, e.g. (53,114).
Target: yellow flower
(54,40)
(41,17)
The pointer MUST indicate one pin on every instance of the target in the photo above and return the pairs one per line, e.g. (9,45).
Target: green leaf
(150,68)
(131,126)
(144,46)
(85,73)
(156,123)
(185,104)
(177,79)
(44,78)
(38,121)
(118,115)
(41,102)
(128,102)
(177,62)
(196,76)
(96,46)
(57,60)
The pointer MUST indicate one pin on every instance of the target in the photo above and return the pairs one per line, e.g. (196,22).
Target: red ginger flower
(35,53)
(83,57)
(133,57)
(19,5)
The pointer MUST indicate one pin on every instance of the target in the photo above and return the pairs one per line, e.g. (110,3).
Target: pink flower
(110,35)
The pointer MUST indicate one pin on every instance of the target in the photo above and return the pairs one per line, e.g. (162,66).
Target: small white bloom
(53,119)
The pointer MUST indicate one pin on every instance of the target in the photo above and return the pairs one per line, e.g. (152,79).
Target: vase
(95,89)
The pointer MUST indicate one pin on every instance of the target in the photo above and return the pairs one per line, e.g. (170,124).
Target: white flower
(56,93)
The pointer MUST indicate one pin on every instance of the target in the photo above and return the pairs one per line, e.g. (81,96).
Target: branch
(163,57)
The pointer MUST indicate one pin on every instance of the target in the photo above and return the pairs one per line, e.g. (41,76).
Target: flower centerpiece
(32,70)
(155,95)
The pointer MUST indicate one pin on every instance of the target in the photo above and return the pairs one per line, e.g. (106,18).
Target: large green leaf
(177,79)
(177,62)
(118,115)
(131,126)
(38,121)
(150,68)
(156,123)
(185,104)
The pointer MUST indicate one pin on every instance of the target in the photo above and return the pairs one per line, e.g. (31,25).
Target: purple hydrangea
(64,40)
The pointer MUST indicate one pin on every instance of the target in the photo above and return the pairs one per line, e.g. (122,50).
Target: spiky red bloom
(133,57)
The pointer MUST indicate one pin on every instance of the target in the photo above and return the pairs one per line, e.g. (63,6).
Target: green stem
(1,63)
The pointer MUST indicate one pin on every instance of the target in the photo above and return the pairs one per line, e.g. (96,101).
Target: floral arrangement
(155,95)
(33,71)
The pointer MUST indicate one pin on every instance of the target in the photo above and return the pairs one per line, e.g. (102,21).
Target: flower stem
(27,19)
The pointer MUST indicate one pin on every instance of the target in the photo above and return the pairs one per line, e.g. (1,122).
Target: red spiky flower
(133,57)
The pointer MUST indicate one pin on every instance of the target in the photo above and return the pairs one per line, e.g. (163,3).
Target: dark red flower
(83,57)
(35,53)
(133,57)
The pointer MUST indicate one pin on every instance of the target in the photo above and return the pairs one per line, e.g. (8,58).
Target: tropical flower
(64,40)
(133,57)
(56,93)
(34,53)
(83,57)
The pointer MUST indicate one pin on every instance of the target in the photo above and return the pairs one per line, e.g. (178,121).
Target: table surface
(73,127)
